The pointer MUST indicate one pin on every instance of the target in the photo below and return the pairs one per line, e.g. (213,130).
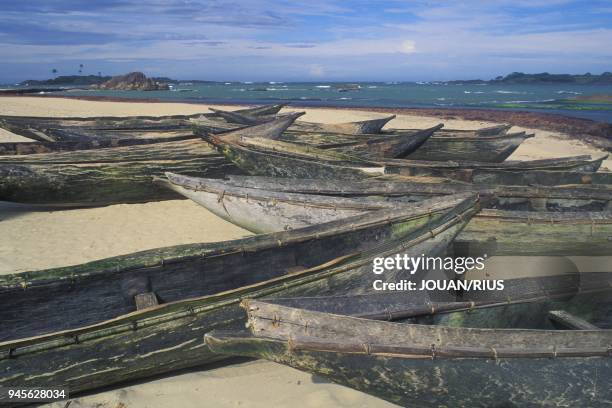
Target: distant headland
(543,78)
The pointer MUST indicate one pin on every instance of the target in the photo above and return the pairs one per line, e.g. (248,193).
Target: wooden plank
(569,321)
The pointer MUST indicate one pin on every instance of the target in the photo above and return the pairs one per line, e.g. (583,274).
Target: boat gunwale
(304,343)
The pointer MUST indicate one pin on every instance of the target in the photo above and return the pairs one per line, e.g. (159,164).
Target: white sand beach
(44,239)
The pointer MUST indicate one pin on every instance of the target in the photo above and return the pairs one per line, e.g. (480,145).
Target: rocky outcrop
(134,81)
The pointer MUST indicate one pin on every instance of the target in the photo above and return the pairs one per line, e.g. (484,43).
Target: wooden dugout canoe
(579,164)
(523,198)
(105,176)
(24,148)
(84,318)
(539,233)
(439,147)
(523,303)
(373,146)
(35,128)
(302,162)
(547,172)
(371,126)
(421,365)
(493,149)
(264,211)
(495,130)
(496,232)
(87,139)
(532,177)
(38,129)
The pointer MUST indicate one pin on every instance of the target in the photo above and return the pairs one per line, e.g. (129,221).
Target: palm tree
(54,70)
(80,68)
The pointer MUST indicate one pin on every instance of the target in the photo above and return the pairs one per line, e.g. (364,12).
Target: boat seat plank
(570,321)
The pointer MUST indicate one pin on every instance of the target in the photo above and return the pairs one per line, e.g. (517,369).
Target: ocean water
(554,98)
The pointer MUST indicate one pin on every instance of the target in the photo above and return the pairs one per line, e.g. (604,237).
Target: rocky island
(134,81)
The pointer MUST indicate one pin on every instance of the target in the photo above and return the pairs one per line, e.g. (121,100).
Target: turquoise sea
(553,98)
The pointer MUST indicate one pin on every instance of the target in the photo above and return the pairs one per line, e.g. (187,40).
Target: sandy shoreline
(43,239)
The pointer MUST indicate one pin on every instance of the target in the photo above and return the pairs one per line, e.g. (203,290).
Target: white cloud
(316,71)
(408,47)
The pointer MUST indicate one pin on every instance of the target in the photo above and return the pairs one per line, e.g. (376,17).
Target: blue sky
(281,40)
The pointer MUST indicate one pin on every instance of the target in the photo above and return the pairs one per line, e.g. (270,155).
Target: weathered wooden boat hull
(416,365)
(496,130)
(536,177)
(22,148)
(93,121)
(268,211)
(199,288)
(518,198)
(483,149)
(39,130)
(84,134)
(523,303)
(82,185)
(383,375)
(372,126)
(491,231)
(280,165)
(540,233)
(106,176)
(398,146)
(516,177)
(594,306)
(582,163)
(261,110)
(31,126)
(170,150)
(271,129)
